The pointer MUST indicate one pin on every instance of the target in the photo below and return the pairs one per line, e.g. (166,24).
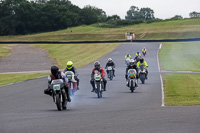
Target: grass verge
(3,50)
(182,89)
(176,29)
(11,78)
(180,56)
(79,54)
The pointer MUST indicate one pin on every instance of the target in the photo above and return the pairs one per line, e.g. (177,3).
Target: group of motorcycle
(59,94)
(132,80)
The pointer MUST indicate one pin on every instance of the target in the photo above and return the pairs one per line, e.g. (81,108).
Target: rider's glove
(126,76)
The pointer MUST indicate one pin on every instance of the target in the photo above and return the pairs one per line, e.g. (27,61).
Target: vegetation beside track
(182,89)
(11,78)
(180,56)
(174,29)
(79,54)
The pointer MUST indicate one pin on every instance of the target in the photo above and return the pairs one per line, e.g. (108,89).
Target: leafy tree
(143,13)
(88,16)
(194,14)
(113,17)
(133,13)
(177,17)
(146,14)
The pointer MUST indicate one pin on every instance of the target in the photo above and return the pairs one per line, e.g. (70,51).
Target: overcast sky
(162,8)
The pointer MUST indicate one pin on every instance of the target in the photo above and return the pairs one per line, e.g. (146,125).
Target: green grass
(176,29)
(79,54)
(182,89)
(180,56)
(4,51)
(11,78)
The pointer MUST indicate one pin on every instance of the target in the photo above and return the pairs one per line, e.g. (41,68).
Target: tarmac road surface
(25,109)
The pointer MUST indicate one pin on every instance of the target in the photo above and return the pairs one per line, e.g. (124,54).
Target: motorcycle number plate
(97,77)
(69,76)
(131,75)
(109,68)
(56,87)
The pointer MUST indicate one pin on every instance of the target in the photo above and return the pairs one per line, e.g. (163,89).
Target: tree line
(23,17)
(34,16)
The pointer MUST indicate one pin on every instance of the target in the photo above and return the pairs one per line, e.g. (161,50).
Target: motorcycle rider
(99,69)
(72,68)
(137,57)
(144,49)
(132,65)
(127,59)
(56,74)
(127,56)
(112,64)
(143,62)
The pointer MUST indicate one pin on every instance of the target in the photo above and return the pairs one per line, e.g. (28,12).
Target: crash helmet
(141,60)
(128,56)
(109,59)
(138,54)
(131,62)
(54,71)
(97,65)
(69,64)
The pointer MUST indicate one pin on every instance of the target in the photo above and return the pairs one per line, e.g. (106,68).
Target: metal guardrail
(112,41)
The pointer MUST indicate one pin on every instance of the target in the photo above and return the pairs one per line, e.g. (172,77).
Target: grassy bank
(182,89)
(176,29)
(3,50)
(11,78)
(79,54)
(180,56)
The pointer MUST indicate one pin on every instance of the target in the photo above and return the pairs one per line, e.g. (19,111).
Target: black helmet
(54,70)
(97,65)
(142,60)
(128,55)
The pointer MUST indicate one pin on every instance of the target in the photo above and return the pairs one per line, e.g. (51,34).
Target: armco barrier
(114,41)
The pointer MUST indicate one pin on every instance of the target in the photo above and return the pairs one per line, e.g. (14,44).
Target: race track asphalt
(25,109)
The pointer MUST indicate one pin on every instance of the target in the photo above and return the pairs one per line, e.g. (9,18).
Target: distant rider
(112,64)
(144,50)
(137,57)
(72,68)
(127,59)
(99,69)
(56,74)
(132,65)
(143,62)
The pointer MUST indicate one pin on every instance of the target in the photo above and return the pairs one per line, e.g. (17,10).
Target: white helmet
(131,62)
(110,59)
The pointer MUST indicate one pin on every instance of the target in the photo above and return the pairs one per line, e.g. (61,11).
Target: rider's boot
(48,91)
(68,97)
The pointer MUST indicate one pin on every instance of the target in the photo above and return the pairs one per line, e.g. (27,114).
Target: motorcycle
(59,94)
(110,72)
(132,79)
(144,52)
(142,73)
(98,83)
(72,82)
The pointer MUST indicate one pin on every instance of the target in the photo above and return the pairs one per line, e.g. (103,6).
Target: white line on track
(162,88)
